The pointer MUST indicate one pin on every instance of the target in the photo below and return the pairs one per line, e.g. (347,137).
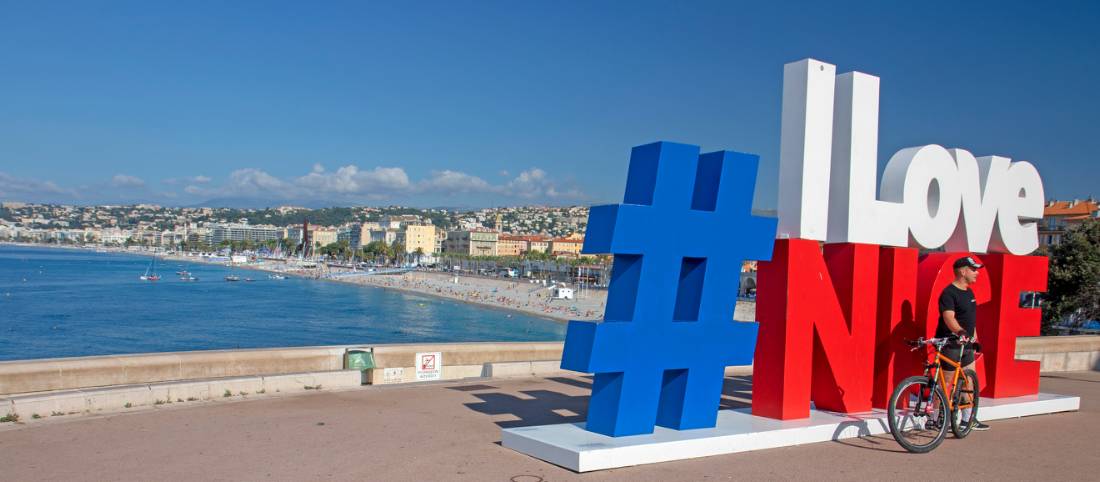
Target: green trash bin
(358,360)
(362,360)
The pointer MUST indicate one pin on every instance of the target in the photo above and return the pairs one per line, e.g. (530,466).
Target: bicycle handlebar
(938,342)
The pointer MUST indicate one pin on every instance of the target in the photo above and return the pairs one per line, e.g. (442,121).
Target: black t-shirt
(964,305)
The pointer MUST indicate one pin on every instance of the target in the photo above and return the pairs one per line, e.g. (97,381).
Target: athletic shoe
(979,426)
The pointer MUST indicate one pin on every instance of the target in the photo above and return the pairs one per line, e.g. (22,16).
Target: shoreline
(408,291)
(515,296)
(313,274)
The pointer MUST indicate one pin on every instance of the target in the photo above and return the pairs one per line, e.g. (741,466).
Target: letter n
(817,329)
(897,304)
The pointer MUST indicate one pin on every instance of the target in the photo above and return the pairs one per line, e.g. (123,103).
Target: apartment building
(1058,216)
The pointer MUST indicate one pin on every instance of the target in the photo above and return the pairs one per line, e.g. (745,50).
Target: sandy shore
(517,295)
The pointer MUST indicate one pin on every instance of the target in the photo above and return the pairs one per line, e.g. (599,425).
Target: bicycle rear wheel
(918,414)
(959,396)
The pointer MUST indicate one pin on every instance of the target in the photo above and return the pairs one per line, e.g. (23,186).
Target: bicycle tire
(957,427)
(909,425)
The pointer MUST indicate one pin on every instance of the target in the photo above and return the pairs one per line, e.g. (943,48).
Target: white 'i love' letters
(930,196)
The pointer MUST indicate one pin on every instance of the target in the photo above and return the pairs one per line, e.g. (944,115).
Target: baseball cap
(967,261)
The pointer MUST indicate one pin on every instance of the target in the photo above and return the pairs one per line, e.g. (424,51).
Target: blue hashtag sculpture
(668,333)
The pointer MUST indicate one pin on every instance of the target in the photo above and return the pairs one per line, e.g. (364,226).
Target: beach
(519,295)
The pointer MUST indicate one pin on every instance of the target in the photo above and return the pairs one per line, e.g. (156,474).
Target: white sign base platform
(572,447)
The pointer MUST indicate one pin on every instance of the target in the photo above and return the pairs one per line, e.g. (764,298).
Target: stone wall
(393,363)
(98,371)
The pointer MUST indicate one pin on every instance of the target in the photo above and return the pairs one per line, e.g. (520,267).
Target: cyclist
(958,316)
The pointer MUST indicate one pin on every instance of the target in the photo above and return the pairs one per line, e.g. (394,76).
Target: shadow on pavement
(542,408)
(737,392)
(471,388)
(587,385)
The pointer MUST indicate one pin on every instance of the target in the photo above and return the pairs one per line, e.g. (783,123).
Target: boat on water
(249,280)
(232,277)
(276,276)
(151,271)
(188,277)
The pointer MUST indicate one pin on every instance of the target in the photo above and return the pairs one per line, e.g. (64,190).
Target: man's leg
(969,359)
(948,374)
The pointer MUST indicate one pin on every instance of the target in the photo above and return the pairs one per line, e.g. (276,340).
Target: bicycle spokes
(917,415)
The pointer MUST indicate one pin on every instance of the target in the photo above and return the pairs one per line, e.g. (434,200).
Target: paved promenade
(451,432)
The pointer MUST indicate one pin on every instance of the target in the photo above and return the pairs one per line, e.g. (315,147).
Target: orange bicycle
(919,408)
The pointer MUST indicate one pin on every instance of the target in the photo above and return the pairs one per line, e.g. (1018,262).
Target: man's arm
(953,324)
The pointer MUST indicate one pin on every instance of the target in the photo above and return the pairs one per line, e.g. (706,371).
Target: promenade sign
(831,321)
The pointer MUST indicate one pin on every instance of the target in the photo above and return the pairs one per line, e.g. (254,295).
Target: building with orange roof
(569,246)
(515,245)
(508,245)
(1058,216)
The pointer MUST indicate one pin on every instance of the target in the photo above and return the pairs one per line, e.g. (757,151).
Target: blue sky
(500,103)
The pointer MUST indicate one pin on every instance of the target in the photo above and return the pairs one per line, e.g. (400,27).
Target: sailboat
(151,271)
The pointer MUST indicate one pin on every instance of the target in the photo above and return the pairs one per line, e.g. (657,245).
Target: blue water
(56,303)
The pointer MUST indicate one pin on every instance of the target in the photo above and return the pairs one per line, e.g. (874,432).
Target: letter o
(925,179)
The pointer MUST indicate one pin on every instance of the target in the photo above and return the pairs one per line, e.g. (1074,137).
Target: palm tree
(397,249)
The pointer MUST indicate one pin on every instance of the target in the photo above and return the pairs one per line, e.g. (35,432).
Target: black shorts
(951,350)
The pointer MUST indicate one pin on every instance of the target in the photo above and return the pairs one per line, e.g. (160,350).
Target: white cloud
(349,184)
(172,181)
(447,182)
(16,189)
(255,181)
(126,181)
(349,180)
(531,183)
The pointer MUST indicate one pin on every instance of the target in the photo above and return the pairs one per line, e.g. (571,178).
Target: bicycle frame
(937,366)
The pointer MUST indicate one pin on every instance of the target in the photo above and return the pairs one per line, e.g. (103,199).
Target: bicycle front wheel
(918,414)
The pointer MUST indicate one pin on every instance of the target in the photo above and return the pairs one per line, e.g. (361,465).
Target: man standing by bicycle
(958,316)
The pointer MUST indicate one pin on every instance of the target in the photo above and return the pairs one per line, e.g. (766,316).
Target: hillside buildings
(1058,216)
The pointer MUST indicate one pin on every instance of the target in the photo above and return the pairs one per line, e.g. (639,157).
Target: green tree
(1073,286)
(340,249)
(375,249)
(397,250)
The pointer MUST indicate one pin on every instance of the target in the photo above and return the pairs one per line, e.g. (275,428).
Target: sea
(64,303)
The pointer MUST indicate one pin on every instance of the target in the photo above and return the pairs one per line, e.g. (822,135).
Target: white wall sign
(930,196)
(393,375)
(429,366)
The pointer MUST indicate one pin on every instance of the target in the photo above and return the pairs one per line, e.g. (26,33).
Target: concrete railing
(392,363)
(1061,353)
(99,371)
(396,363)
